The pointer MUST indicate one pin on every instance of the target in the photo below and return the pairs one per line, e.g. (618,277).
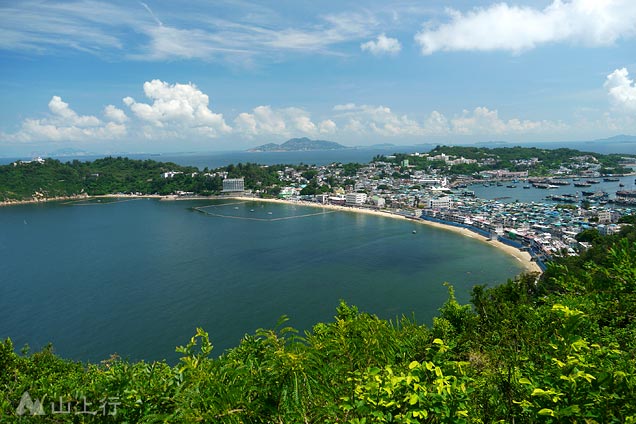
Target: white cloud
(64,124)
(327,127)
(436,124)
(382,45)
(381,120)
(285,122)
(482,121)
(67,115)
(621,90)
(115,114)
(518,28)
(363,119)
(178,107)
(234,32)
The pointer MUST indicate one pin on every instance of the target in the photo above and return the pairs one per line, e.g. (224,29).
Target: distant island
(298,145)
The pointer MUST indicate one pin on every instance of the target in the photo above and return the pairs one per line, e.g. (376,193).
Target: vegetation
(122,175)
(555,348)
(511,158)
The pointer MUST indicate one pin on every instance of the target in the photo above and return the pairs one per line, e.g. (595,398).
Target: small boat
(235,207)
(621,185)
(511,186)
(251,210)
(527,186)
(593,181)
(269,213)
(414,232)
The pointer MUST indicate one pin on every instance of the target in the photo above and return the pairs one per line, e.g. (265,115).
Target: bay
(137,277)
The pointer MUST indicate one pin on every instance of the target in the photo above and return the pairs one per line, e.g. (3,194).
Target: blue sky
(162,76)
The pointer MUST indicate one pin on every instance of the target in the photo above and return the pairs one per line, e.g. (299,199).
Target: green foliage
(557,347)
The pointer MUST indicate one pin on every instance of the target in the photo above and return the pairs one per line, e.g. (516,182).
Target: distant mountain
(298,145)
(380,146)
(622,138)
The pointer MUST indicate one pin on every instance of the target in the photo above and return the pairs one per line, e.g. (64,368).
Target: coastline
(523,257)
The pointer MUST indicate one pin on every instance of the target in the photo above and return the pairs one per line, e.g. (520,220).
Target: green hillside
(557,349)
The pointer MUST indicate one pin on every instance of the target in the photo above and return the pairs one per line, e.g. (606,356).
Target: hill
(555,348)
(298,145)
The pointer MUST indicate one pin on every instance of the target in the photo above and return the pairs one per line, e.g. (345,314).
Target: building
(378,201)
(170,174)
(233,185)
(355,198)
(439,203)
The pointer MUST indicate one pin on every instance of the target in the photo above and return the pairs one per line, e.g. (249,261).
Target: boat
(527,186)
(269,213)
(582,185)
(621,185)
(414,232)
(593,181)
(610,179)
(251,210)
(511,186)
(499,184)
(558,182)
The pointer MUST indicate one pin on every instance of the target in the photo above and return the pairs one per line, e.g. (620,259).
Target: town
(399,184)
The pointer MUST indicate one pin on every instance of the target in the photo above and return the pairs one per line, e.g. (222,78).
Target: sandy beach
(523,257)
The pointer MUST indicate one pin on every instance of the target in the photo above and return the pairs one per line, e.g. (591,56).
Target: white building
(439,203)
(170,174)
(378,201)
(355,198)
(233,185)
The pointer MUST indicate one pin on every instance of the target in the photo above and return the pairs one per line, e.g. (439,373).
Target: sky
(214,75)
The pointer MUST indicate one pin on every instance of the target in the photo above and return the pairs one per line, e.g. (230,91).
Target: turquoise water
(137,277)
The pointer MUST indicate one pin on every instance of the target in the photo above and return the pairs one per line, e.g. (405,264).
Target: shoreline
(523,257)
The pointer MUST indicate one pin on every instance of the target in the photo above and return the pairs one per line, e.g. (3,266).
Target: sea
(137,277)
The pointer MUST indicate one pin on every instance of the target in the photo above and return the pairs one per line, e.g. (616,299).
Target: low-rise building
(439,203)
(355,198)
